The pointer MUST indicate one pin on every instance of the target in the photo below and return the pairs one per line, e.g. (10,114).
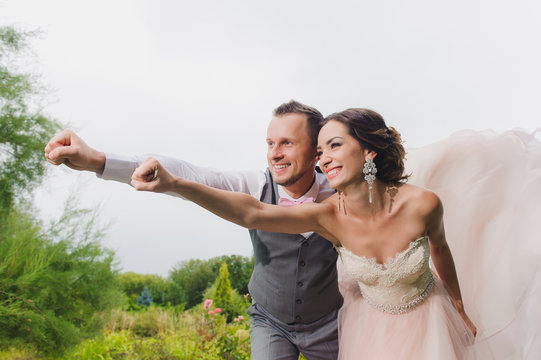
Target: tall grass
(157,334)
(160,333)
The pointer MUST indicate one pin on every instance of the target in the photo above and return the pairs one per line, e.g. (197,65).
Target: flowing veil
(490,186)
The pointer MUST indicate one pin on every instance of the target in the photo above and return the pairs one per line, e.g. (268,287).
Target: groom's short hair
(314,117)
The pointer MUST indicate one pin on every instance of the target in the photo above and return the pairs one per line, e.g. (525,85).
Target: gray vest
(294,278)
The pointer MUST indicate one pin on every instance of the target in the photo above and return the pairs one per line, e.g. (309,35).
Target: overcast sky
(198,80)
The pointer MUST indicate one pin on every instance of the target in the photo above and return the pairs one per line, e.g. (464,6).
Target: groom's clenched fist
(69,149)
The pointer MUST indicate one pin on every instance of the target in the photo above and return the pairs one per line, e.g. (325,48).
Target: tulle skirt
(490,186)
(433,330)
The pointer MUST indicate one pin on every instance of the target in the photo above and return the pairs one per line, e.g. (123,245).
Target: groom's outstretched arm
(69,149)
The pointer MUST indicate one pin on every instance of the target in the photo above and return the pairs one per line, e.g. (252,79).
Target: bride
(385,230)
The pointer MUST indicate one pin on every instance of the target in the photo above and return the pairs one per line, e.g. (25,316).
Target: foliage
(223,297)
(24,129)
(239,303)
(53,282)
(222,294)
(58,284)
(18,353)
(145,298)
(192,277)
(192,334)
(240,270)
(164,291)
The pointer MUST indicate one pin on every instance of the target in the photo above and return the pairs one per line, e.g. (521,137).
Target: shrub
(25,129)
(222,295)
(239,303)
(55,282)
(163,291)
(193,334)
(144,299)
(189,279)
(193,277)
(240,270)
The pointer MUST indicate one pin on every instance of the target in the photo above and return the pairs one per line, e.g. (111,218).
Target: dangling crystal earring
(370,171)
(340,202)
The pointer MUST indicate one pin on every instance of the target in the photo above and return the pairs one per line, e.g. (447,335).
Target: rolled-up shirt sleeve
(121,167)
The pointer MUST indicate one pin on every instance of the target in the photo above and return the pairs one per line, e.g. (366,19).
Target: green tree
(55,281)
(240,270)
(145,298)
(163,291)
(24,128)
(174,295)
(240,303)
(193,277)
(223,297)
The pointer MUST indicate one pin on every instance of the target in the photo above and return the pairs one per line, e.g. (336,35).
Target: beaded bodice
(398,285)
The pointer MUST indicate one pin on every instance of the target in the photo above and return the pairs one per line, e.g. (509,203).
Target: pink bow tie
(288,202)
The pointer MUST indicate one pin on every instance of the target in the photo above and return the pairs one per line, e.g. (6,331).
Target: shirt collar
(312,192)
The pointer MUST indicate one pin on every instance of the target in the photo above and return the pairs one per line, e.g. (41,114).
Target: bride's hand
(460,307)
(469,323)
(152,176)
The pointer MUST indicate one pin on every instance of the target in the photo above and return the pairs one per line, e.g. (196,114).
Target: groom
(294,282)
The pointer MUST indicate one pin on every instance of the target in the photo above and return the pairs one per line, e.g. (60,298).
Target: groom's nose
(275,152)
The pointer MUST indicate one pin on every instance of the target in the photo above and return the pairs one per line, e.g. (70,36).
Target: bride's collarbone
(384,226)
(377,215)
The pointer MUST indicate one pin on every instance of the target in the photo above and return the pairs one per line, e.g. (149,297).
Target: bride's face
(341,157)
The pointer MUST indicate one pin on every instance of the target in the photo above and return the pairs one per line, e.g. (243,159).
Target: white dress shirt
(120,168)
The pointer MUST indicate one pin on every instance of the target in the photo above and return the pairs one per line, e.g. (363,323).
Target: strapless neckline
(390,259)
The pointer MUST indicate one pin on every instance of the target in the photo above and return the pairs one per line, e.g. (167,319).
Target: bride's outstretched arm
(242,209)
(441,255)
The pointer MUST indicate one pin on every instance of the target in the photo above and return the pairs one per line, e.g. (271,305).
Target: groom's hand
(69,149)
(152,176)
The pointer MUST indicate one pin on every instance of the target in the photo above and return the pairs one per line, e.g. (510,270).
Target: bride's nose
(324,159)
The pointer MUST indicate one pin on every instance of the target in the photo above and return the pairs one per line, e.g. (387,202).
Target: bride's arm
(242,209)
(441,253)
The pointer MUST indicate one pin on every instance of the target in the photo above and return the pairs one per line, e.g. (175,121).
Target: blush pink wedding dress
(490,186)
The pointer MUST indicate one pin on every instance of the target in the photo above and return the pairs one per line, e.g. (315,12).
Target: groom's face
(290,154)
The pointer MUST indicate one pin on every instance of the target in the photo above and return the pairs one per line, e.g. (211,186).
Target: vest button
(300,284)
(305,244)
(302,263)
(298,317)
(298,301)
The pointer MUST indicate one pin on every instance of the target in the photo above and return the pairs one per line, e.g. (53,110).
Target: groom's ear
(315,156)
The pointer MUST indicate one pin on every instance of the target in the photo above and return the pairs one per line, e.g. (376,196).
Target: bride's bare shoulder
(421,200)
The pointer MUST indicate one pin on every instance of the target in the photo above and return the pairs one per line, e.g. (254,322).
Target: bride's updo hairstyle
(369,129)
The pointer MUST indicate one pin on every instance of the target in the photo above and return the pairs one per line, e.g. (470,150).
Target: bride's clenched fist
(152,176)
